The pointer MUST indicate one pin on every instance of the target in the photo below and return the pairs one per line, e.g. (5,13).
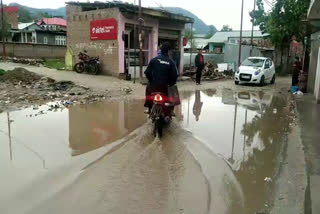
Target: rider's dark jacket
(161,72)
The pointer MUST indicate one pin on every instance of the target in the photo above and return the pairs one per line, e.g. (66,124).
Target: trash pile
(210,72)
(26,61)
(21,88)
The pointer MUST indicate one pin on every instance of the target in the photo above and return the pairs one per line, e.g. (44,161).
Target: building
(199,42)
(11,16)
(314,66)
(219,39)
(53,24)
(49,31)
(109,30)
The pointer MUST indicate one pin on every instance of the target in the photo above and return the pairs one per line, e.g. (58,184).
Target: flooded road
(102,158)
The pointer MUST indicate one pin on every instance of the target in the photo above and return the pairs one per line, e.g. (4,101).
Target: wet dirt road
(102,158)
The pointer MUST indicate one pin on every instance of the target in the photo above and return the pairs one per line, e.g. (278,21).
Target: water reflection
(197,106)
(93,126)
(247,129)
(56,136)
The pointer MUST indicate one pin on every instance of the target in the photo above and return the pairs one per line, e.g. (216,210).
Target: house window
(232,41)
(61,40)
(45,40)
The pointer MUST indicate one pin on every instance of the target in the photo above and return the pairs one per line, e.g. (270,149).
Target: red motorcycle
(88,64)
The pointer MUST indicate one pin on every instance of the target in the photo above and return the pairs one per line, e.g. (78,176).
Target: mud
(21,88)
(97,158)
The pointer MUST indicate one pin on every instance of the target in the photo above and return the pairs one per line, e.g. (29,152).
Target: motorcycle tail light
(158,98)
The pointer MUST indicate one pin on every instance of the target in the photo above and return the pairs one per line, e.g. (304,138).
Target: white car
(257,70)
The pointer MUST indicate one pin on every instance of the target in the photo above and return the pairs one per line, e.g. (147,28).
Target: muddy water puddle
(236,138)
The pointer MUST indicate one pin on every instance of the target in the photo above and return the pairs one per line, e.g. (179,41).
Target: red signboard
(105,29)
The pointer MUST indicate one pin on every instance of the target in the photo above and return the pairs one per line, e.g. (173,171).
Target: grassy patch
(2,72)
(55,63)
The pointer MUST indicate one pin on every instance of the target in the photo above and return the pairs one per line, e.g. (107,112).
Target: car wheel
(262,81)
(236,82)
(273,79)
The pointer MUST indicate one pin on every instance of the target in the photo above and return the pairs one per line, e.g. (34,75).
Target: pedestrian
(297,66)
(199,62)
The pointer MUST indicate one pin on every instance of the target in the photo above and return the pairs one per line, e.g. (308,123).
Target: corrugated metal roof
(131,8)
(199,43)
(222,37)
(53,21)
(22,26)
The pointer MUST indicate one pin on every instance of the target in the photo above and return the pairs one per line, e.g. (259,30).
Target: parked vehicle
(87,64)
(256,70)
(161,112)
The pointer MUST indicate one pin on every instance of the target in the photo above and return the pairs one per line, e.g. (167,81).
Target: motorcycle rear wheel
(79,67)
(158,128)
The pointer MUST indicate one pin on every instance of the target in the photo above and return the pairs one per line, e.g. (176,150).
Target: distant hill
(35,12)
(199,25)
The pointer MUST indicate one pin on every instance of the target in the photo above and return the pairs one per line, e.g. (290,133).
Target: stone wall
(34,50)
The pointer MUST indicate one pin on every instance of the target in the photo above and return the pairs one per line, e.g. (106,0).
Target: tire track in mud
(143,175)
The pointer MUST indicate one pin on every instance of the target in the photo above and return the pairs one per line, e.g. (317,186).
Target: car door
(267,69)
(272,69)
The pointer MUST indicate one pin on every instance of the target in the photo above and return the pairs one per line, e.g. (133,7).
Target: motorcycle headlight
(257,72)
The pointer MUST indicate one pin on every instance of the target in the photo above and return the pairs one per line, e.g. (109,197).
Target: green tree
(284,20)
(24,15)
(259,16)
(211,32)
(226,28)
(7,28)
(190,37)
(44,15)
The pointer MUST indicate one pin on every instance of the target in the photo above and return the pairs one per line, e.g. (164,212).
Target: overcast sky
(212,12)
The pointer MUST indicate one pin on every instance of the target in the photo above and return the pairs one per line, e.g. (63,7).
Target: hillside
(35,13)
(199,26)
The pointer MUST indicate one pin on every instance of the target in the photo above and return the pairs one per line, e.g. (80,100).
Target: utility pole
(3,32)
(191,46)
(140,41)
(240,44)
(254,8)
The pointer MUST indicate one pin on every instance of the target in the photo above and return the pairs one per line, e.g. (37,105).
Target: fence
(218,58)
(25,50)
(232,53)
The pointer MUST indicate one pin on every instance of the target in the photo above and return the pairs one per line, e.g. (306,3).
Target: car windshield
(254,62)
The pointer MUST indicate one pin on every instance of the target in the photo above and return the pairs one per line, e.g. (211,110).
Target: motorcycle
(161,113)
(88,64)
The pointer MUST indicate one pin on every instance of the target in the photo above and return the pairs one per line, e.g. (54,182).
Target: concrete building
(11,16)
(219,39)
(109,30)
(314,67)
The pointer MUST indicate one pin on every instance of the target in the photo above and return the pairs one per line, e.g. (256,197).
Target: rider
(161,73)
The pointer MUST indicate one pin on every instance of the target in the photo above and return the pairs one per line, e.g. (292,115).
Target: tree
(190,37)
(284,20)
(259,16)
(44,15)
(226,28)
(211,32)
(24,15)
(7,28)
